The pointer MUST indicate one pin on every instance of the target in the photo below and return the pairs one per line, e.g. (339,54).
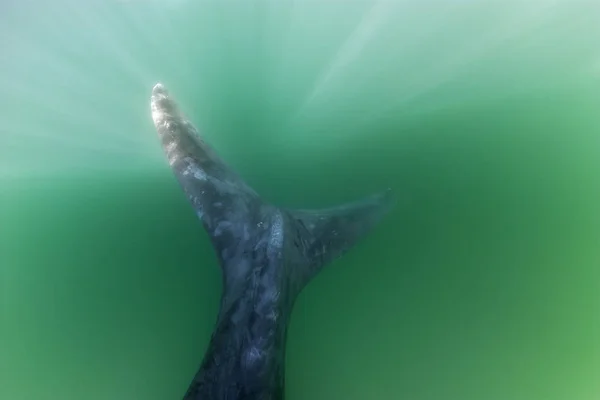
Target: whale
(266,253)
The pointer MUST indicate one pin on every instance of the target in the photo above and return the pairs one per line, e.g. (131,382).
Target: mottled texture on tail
(267,255)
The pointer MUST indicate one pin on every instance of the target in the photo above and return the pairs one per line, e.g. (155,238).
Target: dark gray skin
(267,255)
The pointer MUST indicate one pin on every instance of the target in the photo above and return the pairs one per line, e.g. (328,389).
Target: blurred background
(482,116)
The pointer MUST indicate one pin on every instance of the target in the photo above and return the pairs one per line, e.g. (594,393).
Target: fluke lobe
(267,255)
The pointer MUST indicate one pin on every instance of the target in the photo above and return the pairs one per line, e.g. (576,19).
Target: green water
(484,282)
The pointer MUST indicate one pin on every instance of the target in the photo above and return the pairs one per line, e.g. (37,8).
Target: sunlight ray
(58,130)
(159,35)
(524,21)
(53,168)
(67,79)
(55,134)
(98,25)
(40,100)
(350,50)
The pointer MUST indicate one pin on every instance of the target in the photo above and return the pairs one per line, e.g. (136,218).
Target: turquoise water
(482,116)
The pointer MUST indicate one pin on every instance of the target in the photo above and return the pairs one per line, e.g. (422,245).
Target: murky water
(483,117)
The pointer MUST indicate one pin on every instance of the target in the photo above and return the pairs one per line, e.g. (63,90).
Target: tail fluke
(326,234)
(236,218)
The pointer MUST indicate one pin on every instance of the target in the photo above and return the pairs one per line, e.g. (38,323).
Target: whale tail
(326,234)
(232,212)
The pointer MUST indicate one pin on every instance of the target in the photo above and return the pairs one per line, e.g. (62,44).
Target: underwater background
(483,116)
